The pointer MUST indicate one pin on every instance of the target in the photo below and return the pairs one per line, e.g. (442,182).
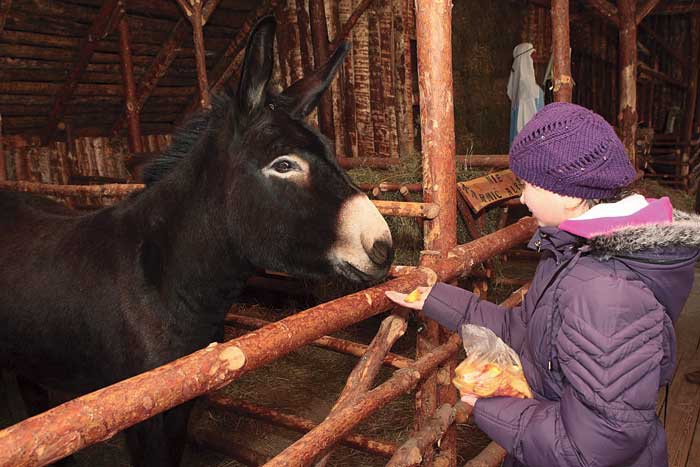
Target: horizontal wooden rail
(407,209)
(296,423)
(117,190)
(326,342)
(339,423)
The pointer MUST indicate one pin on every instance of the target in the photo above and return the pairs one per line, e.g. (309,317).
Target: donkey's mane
(185,139)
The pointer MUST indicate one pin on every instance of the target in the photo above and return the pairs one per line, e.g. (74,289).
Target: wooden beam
(105,21)
(193,11)
(349,24)
(165,57)
(693,80)
(669,49)
(644,10)
(319,39)
(606,9)
(561,45)
(627,117)
(3,170)
(231,59)
(649,71)
(677,8)
(186,8)
(129,87)
(4,9)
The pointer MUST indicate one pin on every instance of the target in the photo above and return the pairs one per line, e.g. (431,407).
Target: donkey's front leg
(160,440)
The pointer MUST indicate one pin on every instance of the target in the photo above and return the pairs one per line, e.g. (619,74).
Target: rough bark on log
(326,342)
(347,89)
(292,36)
(362,85)
(627,116)
(491,456)
(376,87)
(388,73)
(319,39)
(411,452)
(339,423)
(434,36)
(127,68)
(563,84)
(305,47)
(408,209)
(362,376)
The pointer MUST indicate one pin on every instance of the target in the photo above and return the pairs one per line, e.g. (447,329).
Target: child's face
(550,209)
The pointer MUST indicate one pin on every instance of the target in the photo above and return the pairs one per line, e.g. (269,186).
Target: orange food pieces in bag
(491,368)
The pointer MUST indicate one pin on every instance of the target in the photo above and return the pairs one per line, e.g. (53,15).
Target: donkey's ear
(301,97)
(257,66)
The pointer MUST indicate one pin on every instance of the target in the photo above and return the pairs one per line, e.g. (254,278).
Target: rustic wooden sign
(492,188)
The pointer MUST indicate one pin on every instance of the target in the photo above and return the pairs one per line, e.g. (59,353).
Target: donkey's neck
(186,252)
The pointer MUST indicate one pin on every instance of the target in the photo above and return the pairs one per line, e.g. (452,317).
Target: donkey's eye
(283,166)
(289,167)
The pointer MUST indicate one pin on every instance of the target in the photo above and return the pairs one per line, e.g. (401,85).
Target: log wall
(372,102)
(98,157)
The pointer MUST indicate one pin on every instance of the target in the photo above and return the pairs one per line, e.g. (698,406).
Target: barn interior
(92,89)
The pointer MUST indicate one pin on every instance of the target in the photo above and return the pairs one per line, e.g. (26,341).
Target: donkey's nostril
(381,252)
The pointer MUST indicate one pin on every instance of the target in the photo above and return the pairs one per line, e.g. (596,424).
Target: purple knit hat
(572,151)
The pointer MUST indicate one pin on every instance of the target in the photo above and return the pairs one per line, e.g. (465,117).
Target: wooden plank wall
(372,96)
(27,160)
(594,43)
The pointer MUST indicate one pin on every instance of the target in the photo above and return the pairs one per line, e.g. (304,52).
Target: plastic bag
(491,368)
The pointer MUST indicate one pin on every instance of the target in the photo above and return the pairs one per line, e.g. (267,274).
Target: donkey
(89,299)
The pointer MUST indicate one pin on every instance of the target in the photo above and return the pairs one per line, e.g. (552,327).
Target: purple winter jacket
(596,340)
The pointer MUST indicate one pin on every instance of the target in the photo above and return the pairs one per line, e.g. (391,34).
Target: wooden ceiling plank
(105,21)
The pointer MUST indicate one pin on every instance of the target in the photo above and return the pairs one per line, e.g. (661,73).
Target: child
(595,332)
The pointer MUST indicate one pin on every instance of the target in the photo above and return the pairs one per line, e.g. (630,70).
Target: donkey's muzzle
(381,253)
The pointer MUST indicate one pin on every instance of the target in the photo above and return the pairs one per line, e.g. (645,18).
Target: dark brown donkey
(90,299)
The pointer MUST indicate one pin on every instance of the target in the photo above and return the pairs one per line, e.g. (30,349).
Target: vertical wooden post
(690,112)
(198,38)
(434,35)
(3,170)
(563,84)
(696,129)
(127,68)
(193,12)
(692,95)
(319,38)
(627,116)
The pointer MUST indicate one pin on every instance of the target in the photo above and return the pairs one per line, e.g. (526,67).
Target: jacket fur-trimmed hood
(682,234)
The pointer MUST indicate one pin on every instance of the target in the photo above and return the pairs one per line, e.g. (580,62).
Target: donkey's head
(293,209)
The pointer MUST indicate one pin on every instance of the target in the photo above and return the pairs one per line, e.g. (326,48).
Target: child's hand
(470,399)
(414,300)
